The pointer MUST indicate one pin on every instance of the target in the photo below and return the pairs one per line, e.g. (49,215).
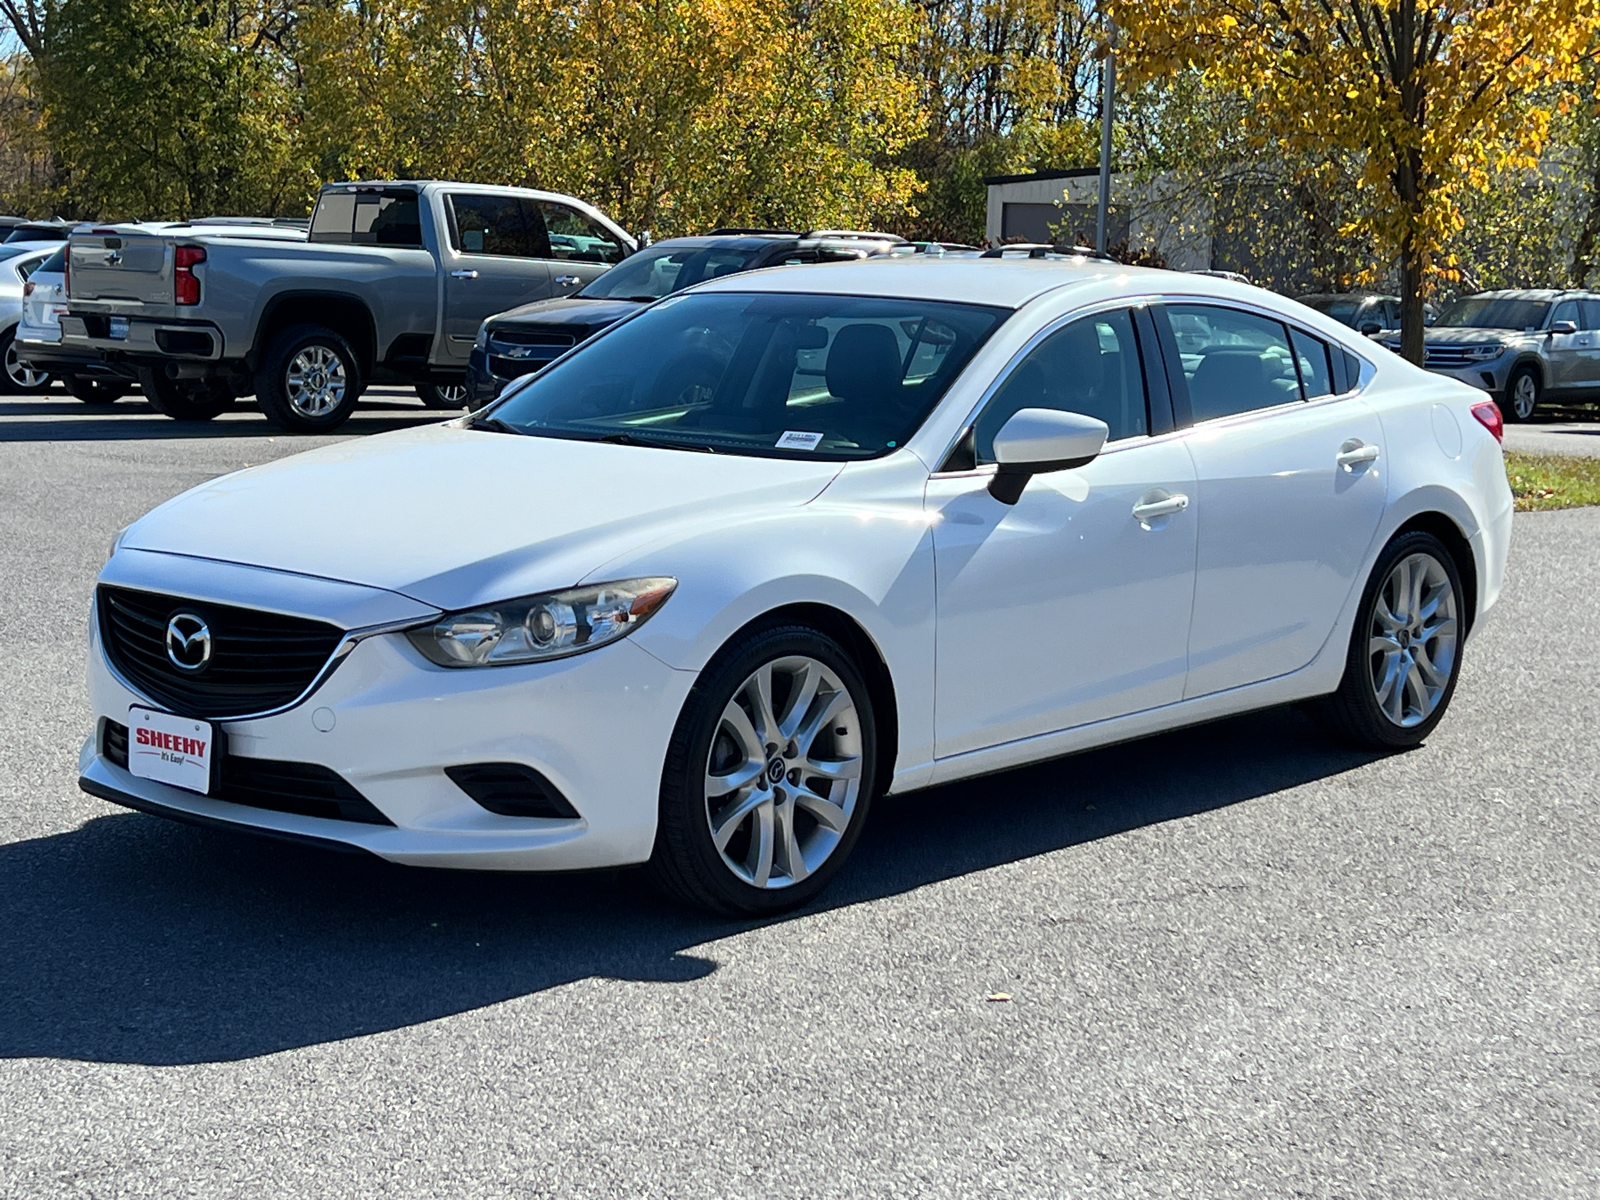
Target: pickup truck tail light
(1488,414)
(185,287)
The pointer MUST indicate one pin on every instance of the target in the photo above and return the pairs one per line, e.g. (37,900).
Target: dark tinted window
(801,376)
(491,225)
(1090,366)
(1311,355)
(1591,314)
(1234,362)
(370,217)
(573,236)
(661,270)
(57,262)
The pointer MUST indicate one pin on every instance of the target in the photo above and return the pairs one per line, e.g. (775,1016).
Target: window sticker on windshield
(795,440)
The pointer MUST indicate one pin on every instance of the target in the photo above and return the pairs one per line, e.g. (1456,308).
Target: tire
(95,391)
(1523,395)
(443,395)
(16,379)
(803,850)
(185,399)
(309,380)
(1384,702)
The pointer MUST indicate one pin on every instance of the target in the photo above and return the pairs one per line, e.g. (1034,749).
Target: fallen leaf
(999,997)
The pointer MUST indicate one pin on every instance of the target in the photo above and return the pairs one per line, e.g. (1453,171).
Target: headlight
(536,628)
(1483,353)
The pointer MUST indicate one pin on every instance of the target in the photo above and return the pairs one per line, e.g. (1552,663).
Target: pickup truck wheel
(309,380)
(95,391)
(443,395)
(185,399)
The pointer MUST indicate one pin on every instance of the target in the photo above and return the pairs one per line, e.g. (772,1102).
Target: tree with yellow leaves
(1431,95)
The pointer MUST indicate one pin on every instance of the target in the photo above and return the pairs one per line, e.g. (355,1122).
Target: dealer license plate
(119,328)
(171,749)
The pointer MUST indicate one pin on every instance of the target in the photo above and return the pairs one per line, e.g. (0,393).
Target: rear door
(496,260)
(1290,485)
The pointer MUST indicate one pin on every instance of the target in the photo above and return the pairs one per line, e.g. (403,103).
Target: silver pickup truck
(390,285)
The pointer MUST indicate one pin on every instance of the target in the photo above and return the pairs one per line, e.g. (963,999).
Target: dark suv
(524,339)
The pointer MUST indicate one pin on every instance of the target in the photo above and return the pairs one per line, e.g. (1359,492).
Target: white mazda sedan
(699,591)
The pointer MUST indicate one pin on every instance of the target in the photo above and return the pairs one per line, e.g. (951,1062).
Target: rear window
(368,217)
(56,263)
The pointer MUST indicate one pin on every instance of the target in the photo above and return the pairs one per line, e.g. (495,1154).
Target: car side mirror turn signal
(1037,440)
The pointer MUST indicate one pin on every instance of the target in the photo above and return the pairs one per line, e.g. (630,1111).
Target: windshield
(782,376)
(661,270)
(1340,308)
(1487,312)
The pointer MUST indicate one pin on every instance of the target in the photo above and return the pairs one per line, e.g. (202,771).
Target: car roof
(736,241)
(1528,294)
(1007,283)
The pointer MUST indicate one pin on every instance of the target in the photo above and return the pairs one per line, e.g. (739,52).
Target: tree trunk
(1411,311)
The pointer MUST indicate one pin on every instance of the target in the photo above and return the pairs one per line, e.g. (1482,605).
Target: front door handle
(566,280)
(463,274)
(1354,453)
(1160,505)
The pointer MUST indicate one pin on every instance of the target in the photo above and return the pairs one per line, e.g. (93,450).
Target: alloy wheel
(783,775)
(23,379)
(1525,396)
(315,381)
(453,394)
(1413,640)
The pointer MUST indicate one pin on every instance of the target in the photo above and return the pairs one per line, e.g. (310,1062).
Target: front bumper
(483,385)
(1486,377)
(596,725)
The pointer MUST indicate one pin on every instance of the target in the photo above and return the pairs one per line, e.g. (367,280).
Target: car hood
(570,310)
(455,517)
(1467,335)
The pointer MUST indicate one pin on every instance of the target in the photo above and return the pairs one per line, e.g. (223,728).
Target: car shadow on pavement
(136,940)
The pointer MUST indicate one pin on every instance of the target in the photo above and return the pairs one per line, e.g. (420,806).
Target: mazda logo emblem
(188,642)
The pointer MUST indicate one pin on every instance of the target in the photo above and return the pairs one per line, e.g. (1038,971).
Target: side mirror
(1368,328)
(1563,327)
(1036,440)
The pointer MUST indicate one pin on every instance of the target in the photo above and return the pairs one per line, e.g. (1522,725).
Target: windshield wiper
(628,439)
(492,425)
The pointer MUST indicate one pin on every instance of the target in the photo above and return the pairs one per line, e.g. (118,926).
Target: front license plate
(119,328)
(170,749)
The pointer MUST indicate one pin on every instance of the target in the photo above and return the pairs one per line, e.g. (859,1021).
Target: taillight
(1488,414)
(27,289)
(185,287)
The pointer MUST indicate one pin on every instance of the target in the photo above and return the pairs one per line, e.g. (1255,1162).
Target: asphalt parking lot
(1241,961)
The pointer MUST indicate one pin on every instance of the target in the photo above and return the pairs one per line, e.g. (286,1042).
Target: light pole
(1108,93)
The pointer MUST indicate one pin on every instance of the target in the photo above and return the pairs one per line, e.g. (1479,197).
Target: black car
(522,340)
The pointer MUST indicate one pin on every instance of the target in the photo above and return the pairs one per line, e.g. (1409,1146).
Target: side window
(1391,315)
(1234,362)
(573,236)
(1567,310)
(490,225)
(1591,314)
(1090,366)
(1311,356)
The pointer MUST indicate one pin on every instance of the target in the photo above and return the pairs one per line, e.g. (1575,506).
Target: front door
(1567,353)
(1066,607)
(497,262)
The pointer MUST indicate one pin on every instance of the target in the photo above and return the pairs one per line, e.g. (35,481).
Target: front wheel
(18,379)
(1405,650)
(1523,393)
(185,399)
(309,380)
(443,395)
(768,776)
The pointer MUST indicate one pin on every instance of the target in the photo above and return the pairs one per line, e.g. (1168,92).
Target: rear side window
(1090,366)
(492,225)
(575,237)
(371,217)
(1591,313)
(56,263)
(1311,357)
(1234,362)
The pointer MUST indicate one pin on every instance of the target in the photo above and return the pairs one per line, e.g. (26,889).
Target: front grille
(259,660)
(287,787)
(512,335)
(511,789)
(1446,356)
(513,368)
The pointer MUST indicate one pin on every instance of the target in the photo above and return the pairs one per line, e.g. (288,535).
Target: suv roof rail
(730,230)
(862,234)
(1045,250)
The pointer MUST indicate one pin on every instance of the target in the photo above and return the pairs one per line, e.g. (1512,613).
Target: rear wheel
(185,399)
(768,777)
(95,391)
(443,395)
(309,380)
(1523,393)
(1405,650)
(18,379)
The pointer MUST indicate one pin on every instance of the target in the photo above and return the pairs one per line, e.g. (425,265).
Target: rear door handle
(1354,453)
(1161,506)
(463,274)
(566,280)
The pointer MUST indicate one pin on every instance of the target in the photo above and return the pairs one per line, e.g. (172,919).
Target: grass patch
(1545,481)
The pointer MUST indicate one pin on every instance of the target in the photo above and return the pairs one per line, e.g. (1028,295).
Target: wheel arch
(869,659)
(1444,527)
(347,315)
(1533,362)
